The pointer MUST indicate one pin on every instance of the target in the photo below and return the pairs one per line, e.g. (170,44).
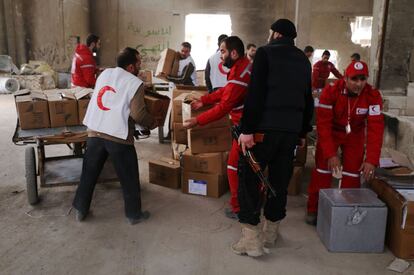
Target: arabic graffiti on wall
(161,31)
(151,42)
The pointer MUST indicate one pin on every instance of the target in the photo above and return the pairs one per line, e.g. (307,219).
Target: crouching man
(348,117)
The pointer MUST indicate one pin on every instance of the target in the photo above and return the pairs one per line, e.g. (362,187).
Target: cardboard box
(211,185)
(83,97)
(157,105)
(175,65)
(165,172)
(192,88)
(210,140)
(213,163)
(294,187)
(178,98)
(397,165)
(188,113)
(32,110)
(177,110)
(177,150)
(178,92)
(63,109)
(179,133)
(166,63)
(146,76)
(195,92)
(400,222)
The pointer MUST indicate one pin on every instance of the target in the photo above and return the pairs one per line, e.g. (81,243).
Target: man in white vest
(186,69)
(215,73)
(116,105)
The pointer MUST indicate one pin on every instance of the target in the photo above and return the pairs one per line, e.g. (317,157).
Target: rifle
(254,165)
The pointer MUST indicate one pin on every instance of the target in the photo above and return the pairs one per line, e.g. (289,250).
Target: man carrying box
(230,100)
(347,109)
(116,105)
(186,70)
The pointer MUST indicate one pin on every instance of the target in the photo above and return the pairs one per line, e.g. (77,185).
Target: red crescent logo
(221,69)
(101,93)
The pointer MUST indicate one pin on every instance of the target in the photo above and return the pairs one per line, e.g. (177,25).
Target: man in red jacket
(347,109)
(83,63)
(321,71)
(230,100)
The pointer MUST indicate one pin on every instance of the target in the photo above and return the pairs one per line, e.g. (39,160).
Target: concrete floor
(185,235)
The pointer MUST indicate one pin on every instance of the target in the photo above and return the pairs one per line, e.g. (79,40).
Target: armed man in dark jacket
(278,108)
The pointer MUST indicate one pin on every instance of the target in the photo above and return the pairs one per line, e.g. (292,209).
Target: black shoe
(79,215)
(230,214)
(311,219)
(142,217)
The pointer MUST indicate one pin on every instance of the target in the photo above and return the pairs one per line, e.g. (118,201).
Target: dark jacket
(280,91)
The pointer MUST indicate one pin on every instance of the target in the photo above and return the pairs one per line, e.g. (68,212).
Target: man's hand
(196,104)
(190,123)
(246,141)
(334,164)
(367,170)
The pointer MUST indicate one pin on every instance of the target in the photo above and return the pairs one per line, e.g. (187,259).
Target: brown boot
(250,242)
(270,233)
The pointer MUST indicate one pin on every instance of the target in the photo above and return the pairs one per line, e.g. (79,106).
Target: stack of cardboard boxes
(395,187)
(67,107)
(202,151)
(52,108)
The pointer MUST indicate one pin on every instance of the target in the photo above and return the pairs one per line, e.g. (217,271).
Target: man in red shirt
(347,110)
(83,63)
(321,71)
(230,100)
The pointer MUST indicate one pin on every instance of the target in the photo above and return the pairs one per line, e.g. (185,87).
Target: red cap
(356,68)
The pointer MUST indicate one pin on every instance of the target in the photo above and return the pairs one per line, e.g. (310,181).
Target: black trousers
(125,161)
(275,152)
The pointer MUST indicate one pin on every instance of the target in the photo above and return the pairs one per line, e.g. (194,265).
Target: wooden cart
(55,171)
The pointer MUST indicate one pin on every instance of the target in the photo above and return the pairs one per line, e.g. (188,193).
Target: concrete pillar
(303,22)
(20,31)
(379,16)
(15,30)
(9,24)
(3,37)
(398,45)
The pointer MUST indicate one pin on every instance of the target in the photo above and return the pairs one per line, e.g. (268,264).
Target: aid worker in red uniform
(321,71)
(83,63)
(347,110)
(229,100)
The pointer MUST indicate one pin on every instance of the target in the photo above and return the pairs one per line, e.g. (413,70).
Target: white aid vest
(218,72)
(108,110)
(185,62)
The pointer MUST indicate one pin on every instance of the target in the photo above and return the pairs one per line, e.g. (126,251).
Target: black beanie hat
(285,27)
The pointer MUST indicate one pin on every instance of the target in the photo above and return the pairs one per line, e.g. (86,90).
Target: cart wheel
(31,176)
